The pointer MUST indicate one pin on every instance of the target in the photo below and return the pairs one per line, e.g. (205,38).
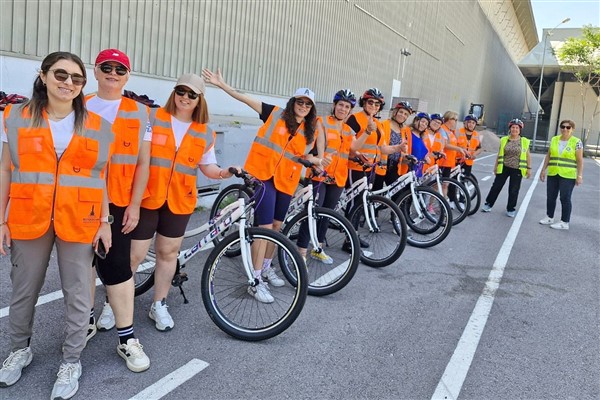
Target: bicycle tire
(460,198)
(324,279)
(472,187)
(225,197)
(225,284)
(436,223)
(387,243)
(143,278)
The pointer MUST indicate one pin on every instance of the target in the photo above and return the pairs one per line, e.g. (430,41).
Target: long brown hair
(310,121)
(39,99)
(200,114)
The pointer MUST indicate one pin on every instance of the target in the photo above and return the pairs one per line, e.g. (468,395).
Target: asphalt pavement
(503,309)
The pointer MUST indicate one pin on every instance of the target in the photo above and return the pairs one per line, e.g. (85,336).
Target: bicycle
(471,184)
(458,195)
(377,220)
(327,230)
(226,281)
(426,211)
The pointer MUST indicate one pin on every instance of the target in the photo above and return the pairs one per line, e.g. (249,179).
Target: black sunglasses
(119,69)
(303,103)
(61,75)
(565,127)
(182,92)
(374,103)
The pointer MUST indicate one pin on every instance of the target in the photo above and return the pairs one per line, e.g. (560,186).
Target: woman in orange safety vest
(182,143)
(287,134)
(451,148)
(52,182)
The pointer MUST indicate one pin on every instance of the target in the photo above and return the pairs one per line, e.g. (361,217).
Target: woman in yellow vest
(181,144)
(52,169)
(287,135)
(564,162)
(512,162)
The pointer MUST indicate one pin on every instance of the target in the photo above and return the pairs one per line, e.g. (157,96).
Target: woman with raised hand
(52,182)
(182,143)
(287,135)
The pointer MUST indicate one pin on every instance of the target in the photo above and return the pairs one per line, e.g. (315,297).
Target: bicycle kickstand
(178,280)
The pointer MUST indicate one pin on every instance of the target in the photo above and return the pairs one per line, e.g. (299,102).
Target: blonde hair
(200,114)
(448,115)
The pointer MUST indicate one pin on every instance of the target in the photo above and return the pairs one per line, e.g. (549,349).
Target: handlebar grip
(304,162)
(235,172)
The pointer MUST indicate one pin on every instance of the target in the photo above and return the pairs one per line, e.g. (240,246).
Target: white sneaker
(13,366)
(560,225)
(547,221)
(261,292)
(107,319)
(271,277)
(67,382)
(90,333)
(160,315)
(133,354)
(511,214)
(486,208)
(452,205)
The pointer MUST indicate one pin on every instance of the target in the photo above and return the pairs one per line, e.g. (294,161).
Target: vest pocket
(89,205)
(21,207)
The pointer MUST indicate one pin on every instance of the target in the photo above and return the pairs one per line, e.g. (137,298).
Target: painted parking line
(486,178)
(47,298)
(331,275)
(456,371)
(172,381)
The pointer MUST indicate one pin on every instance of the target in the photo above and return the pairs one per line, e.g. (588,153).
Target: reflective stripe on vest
(450,159)
(274,151)
(522,158)
(565,163)
(338,140)
(44,188)
(468,144)
(173,172)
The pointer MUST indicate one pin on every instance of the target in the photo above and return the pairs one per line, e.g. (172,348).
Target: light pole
(537,113)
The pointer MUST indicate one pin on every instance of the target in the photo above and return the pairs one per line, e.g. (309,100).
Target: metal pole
(537,113)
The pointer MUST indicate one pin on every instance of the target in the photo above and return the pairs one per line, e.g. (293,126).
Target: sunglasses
(119,69)
(374,103)
(304,103)
(61,75)
(565,127)
(182,92)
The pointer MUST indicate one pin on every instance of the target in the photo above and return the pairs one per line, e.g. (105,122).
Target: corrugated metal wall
(273,47)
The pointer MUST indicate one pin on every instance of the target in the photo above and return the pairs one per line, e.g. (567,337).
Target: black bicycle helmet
(404,105)
(470,117)
(516,121)
(345,95)
(372,93)
(439,117)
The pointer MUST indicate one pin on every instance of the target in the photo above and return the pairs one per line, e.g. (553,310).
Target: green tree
(581,57)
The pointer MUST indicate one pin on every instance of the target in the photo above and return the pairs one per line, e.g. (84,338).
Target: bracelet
(4,223)
(579,176)
(528,167)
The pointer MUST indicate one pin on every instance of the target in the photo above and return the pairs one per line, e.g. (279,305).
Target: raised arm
(217,80)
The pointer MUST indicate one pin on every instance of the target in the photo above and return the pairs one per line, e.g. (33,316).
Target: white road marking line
(486,178)
(47,298)
(456,371)
(332,275)
(484,157)
(171,381)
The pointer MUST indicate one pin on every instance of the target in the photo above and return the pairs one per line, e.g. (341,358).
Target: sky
(549,13)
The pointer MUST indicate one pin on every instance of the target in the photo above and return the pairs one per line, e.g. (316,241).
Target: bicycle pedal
(179,279)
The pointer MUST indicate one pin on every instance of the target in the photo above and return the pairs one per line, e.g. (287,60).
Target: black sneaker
(363,244)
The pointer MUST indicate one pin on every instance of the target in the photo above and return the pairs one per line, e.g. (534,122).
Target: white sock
(267,264)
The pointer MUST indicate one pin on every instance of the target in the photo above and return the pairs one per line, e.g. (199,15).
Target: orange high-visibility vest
(274,151)
(129,127)
(469,144)
(437,144)
(44,188)
(371,146)
(173,171)
(338,146)
(450,160)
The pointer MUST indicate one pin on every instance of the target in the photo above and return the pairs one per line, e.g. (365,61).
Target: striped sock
(92,319)
(125,334)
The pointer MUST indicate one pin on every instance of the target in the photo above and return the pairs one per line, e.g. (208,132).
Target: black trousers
(328,198)
(557,184)
(514,185)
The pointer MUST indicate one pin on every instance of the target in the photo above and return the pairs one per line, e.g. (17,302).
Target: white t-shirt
(108,110)
(62,132)
(179,130)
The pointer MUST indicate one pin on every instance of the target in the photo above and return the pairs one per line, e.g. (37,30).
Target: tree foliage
(581,57)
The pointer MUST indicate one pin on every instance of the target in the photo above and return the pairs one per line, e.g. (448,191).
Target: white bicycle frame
(301,197)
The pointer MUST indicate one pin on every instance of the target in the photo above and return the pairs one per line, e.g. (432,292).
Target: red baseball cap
(113,55)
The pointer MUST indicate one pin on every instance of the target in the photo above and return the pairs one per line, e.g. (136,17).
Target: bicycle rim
(429,221)
(225,290)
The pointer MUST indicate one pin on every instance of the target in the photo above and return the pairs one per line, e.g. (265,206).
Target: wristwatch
(109,219)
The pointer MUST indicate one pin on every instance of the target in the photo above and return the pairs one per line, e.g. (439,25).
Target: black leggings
(328,198)
(514,186)
(116,267)
(557,184)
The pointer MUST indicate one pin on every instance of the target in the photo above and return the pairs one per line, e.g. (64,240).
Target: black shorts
(446,172)
(116,267)
(162,221)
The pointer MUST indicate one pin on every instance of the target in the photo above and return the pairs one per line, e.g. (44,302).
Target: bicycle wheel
(430,220)
(226,197)
(384,230)
(340,244)
(459,200)
(474,193)
(225,287)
